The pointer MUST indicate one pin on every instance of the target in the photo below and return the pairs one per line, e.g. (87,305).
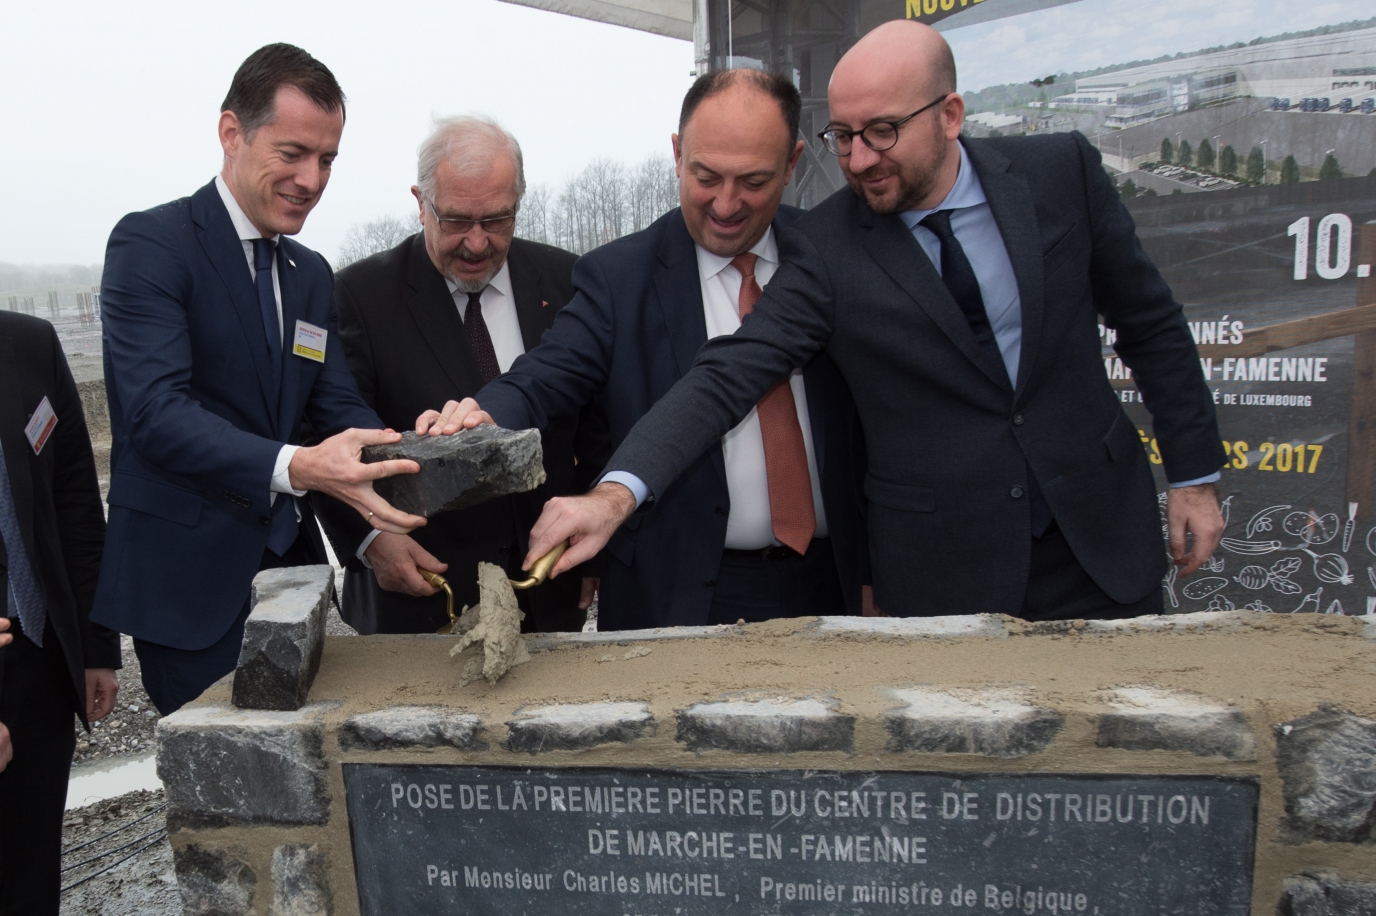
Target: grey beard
(472,286)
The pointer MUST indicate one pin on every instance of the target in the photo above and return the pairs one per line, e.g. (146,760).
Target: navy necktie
(960,279)
(282,534)
(23,591)
(479,339)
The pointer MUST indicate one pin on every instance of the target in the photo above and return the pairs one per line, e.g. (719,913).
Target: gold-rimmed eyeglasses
(451,225)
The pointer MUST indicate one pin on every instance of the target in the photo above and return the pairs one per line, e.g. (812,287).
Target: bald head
(898,53)
(902,75)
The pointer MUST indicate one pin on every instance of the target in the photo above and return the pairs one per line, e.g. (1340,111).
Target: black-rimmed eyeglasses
(879,136)
(449,225)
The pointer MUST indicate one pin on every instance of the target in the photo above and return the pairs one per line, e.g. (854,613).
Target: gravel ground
(116,860)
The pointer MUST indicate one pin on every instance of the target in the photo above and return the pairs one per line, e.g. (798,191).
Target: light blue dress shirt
(974,226)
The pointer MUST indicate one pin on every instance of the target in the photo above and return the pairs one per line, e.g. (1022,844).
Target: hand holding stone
(333,467)
(586,522)
(395,557)
(456,415)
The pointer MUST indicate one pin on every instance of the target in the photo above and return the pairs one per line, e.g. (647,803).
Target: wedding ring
(368,517)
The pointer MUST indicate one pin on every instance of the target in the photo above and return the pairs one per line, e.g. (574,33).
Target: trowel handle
(438,581)
(539,572)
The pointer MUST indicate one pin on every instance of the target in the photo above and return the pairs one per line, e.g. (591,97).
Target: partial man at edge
(438,316)
(958,285)
(53,661)
(766,521)
(219,336)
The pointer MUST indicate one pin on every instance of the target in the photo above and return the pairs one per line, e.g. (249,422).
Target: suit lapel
(533,311)
(892,245)
(16,446)
(293,308)
(1010,200)
(679,290)
(225,251)
(432,307)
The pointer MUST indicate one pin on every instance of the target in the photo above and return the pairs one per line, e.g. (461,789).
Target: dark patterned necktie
(24,588)
(479,339)
(282,533)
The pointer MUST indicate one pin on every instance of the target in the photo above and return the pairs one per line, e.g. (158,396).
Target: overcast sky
(108,108)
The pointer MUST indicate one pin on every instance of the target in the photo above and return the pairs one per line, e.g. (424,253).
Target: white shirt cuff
(281,479)
(638,489)
(1215,477)
(363,548)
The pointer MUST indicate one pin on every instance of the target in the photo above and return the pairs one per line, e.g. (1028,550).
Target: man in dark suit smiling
(958,285)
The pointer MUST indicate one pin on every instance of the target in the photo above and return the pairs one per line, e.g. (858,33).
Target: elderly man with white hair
(436,318)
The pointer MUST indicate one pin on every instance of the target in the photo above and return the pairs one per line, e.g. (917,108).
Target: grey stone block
(781,725)
(996,722)
(1152,719)
(575,726)
(987,626)
(222,766)
(461,470)
(1178,623)
(543,641)
(300,882)
(1327,763)
(411,727)
(213,882)
(1327,895)
(283,637)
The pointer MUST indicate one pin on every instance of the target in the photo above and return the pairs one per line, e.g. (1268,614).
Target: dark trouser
(760,585)
(1058,588)
(37,706)
(175,677)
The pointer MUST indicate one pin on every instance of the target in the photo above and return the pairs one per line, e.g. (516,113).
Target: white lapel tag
(40,426)
(310,341)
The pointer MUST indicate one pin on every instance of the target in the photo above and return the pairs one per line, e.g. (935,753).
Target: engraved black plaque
(490,840)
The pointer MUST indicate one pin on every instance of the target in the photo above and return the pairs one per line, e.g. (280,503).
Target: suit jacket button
(710,583)
(265,521)
(1017,419)
(1016,492)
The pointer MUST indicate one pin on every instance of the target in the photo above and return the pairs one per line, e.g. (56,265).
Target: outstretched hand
(456,415)
(334,467)
(586,522)
(1193,511)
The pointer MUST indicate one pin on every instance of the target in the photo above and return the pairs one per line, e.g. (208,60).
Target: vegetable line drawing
(1351,527)
(1221,603)
(1336,608)
(1278,576)
(1253,548)
(1310,527)
(1262,521)
(1258,606)
(1371,574)
(1169,583)
(1227,509)
(1203,588)
(1310,604)
(1370,605)
(1331,568)
(1371,541)
(1214,564)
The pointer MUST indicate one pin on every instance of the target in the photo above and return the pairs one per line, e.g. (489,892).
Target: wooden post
(1361,429)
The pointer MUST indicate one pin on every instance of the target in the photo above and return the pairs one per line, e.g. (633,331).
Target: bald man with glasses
(437,317)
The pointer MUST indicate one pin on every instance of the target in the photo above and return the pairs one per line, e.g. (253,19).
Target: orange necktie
(785,456)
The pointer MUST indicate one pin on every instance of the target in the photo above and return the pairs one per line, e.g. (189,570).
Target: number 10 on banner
(1332,249)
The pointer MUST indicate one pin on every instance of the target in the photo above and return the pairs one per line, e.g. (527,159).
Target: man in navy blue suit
(768,523)
(219,336)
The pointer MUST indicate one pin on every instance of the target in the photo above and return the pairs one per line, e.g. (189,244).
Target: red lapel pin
(543,303)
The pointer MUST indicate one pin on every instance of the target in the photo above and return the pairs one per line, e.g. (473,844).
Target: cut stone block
(300,886)
(283,637)
(955,627)
(1152,719)
(780,725)
(1327,895)
(213,882)
(410,727)
(1199,620)
(544,641)
(574,726)
(222,766)
(461,470)
(1327,763)
(995,723)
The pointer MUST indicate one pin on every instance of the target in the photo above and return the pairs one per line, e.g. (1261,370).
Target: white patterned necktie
(23,586)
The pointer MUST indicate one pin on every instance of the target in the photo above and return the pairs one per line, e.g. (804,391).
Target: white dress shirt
(281,478)
(750,525)
(499,314)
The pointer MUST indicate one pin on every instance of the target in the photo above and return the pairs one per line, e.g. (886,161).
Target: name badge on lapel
(40,426)
(310,341)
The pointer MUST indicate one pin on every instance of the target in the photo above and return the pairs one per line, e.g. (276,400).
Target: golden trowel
(539,572)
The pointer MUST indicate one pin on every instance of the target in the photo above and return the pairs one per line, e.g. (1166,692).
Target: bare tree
(364,239)
(600,204)
(533,219)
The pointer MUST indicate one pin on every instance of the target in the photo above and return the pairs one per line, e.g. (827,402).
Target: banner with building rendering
(1251,172)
